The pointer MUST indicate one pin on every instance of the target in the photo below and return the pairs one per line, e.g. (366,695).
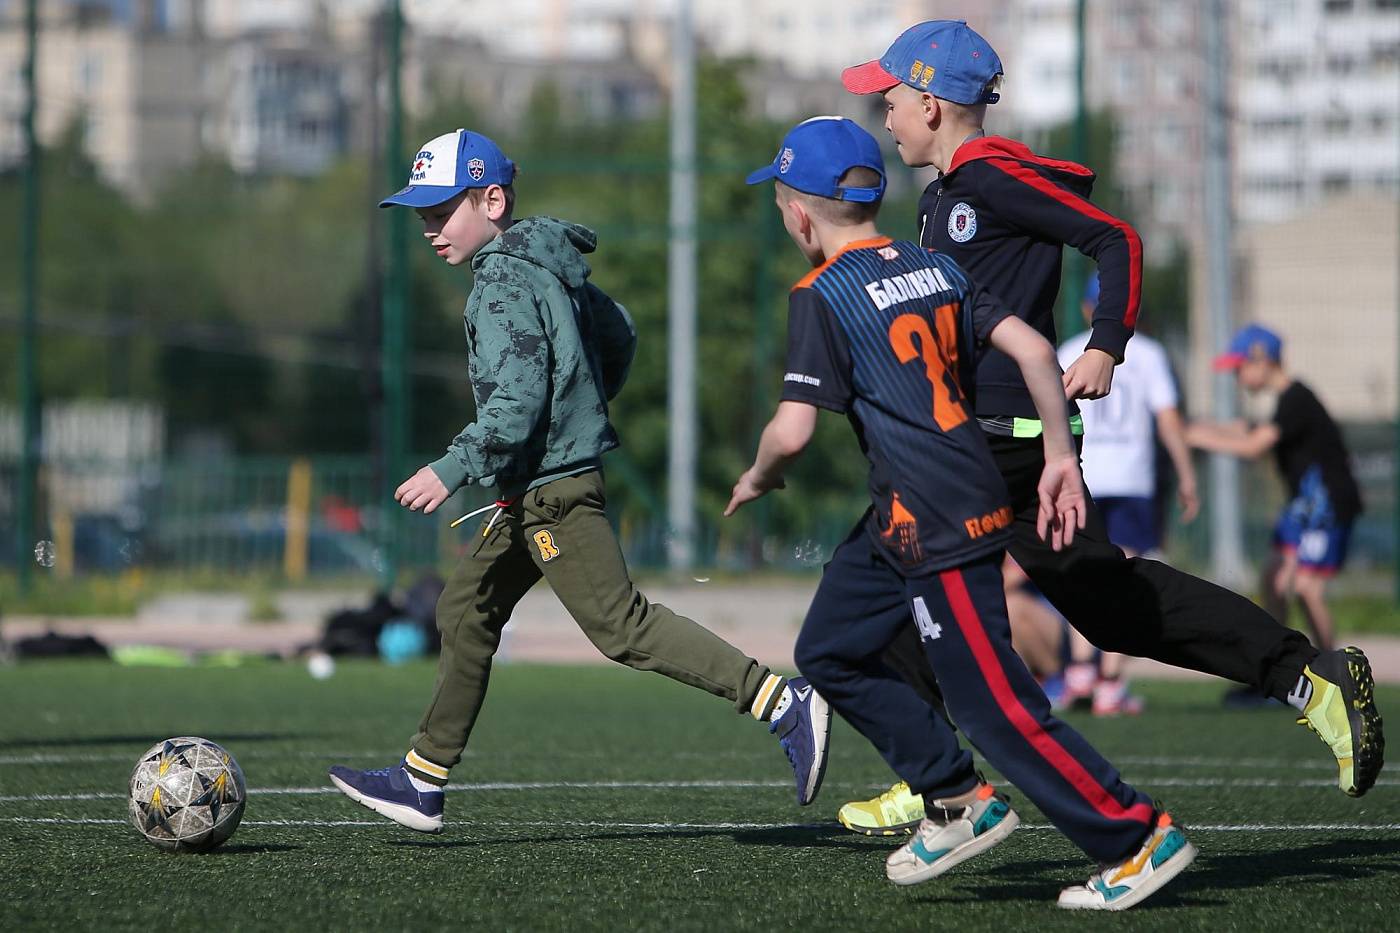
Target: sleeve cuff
(1111,337)
(450,470)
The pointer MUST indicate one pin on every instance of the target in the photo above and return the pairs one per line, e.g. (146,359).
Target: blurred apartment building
(284,86)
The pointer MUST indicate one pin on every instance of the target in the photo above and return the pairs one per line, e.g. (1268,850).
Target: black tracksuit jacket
(1005,214)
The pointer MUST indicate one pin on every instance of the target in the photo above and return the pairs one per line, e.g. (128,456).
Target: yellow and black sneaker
(895,812)
(1342,711)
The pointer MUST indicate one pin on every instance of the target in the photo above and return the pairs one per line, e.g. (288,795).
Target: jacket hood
(556,246)
(1071,174)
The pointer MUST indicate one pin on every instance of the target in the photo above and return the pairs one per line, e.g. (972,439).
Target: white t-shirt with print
(1119,430)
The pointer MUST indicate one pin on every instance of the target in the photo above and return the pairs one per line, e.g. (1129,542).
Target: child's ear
(495,203)
(804,219)
(932,111)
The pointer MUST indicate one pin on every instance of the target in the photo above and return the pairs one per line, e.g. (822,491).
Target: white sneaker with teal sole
(942,842)
(1163,856)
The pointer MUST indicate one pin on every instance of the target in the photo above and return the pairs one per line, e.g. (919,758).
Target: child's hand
(423,490)
(1062,504)
(1090,376)
(747,490)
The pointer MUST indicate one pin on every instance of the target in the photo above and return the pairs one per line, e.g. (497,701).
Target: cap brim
(423,195)
(1227,361)
(868,78)
(762,175)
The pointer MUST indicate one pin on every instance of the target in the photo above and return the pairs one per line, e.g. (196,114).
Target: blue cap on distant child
(1091,290)
(944,57)
(1250,342)
(450,164)
(817,152)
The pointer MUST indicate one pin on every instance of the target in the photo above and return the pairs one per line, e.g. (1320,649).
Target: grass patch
(553,844)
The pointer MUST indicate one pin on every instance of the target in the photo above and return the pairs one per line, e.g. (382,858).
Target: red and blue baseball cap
(943,57)
(450,164)
(817,152)
(1250,342)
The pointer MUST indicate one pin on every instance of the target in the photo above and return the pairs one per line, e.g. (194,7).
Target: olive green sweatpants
(559,531)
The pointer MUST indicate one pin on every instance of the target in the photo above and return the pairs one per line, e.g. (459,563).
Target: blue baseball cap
(1250,342)
(944,57)
(1091,289)
(450,164)
(817,152)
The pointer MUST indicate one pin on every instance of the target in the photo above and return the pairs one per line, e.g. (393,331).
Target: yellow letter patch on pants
(545,542)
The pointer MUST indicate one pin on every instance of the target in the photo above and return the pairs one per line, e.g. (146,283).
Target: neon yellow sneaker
(1342,711)
(896,811)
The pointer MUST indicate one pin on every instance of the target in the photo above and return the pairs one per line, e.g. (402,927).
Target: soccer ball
(186,795)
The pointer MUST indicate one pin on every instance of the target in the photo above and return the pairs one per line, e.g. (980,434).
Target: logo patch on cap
(421,163)
(785,160)
(476,168)
(962,222)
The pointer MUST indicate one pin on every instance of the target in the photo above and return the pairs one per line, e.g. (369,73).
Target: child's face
(907,113)
(458,229)
(1253,373)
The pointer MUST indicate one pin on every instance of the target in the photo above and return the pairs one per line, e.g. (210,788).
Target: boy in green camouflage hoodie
(547,351)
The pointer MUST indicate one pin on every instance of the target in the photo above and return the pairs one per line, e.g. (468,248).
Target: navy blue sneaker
(803,731)
(388,792)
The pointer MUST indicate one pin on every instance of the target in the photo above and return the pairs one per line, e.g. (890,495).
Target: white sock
(784,701)
(1301,693)
(763,708)
(420,785)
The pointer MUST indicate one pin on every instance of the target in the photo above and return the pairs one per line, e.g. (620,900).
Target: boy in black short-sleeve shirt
(881,331)
(1312,533)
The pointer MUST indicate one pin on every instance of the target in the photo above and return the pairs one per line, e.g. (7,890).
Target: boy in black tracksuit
(1005,214)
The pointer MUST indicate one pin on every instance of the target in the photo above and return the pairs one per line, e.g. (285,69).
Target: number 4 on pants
(928,629)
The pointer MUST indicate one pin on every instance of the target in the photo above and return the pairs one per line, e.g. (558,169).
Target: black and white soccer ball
(186,795)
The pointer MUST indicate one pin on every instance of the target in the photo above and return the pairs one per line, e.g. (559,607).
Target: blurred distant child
(881,331)
(1312,533)
(547,351)
(1119,458)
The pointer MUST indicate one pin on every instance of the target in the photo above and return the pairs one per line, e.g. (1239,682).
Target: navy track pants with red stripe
(859,608)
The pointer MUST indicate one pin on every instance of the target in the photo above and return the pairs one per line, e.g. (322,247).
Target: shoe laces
(889,795)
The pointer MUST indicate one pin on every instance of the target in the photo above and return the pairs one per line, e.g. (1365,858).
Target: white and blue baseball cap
(817,152)
(450,164)
(943,57)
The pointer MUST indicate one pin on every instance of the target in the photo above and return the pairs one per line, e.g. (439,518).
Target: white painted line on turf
(607,824)
(45,758)
(1188,761)
(680,785)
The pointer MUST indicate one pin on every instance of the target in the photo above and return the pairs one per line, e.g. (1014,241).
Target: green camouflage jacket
(547,351)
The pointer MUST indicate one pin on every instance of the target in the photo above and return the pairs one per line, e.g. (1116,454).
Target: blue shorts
(1131,522)
(1320,546)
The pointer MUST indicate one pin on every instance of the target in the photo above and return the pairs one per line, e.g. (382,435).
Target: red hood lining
(991,147)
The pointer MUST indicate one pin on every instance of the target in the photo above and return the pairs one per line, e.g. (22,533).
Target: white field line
(668,785)
(598,824)
(49,758)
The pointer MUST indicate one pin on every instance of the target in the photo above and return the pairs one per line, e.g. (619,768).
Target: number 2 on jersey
(940,356)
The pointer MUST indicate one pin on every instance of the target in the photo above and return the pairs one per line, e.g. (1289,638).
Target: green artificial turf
(706,837)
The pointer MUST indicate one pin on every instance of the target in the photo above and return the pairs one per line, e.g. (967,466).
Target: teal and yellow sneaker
(1164,854)
(954,835)
(1342,711)
(897,811)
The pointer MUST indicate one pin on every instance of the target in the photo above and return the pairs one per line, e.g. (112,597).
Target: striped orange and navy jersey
(881,332)
(1005,215)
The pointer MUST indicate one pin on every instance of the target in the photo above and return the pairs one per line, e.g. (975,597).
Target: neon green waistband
(1030,427)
